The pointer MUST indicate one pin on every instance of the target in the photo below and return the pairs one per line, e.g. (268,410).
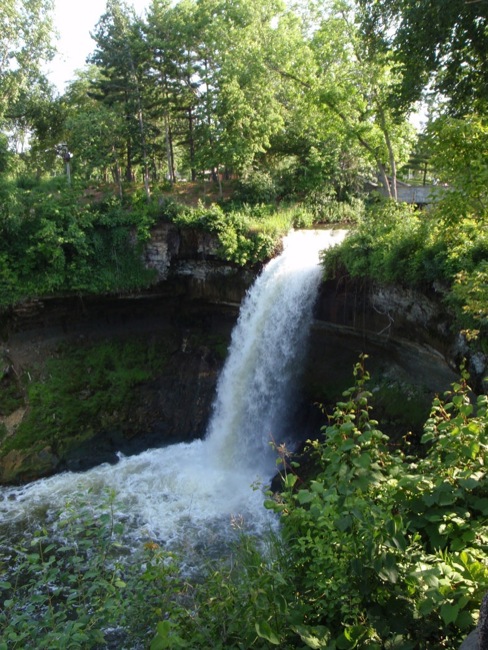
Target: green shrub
(469,296)
(73,590)
(325,207)
(25,182)
(390,550)
(245,234)
(54,242)
(395,243)
(303,218)
(379,549)
(256,187)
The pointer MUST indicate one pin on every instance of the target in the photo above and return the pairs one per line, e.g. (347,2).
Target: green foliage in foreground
(395,243)
(390,550)
(380,550)
(83,390)
(78,589)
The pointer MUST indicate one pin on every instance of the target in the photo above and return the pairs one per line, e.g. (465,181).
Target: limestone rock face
(194,304)
(174,405)
(383,313)
(169,244)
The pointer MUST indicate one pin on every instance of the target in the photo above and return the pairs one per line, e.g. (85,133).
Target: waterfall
(255,391)
(185,491)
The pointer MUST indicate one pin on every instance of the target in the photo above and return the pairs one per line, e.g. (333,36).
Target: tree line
(312,93)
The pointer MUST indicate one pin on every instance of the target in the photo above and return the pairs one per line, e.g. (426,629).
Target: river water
(182,494)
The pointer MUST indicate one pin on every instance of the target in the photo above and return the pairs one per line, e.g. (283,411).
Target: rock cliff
(192,309)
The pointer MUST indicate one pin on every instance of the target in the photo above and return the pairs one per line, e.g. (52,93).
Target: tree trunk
(171,177)
(128,165)
(384,178)
(191,141)
(393,193)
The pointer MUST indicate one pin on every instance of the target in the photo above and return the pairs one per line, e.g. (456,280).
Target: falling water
(256,388)
(184,491)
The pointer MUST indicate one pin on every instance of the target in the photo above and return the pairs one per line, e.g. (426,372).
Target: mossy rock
(20,466)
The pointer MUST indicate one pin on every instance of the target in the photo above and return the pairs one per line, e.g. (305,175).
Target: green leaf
(304,496)
(264,631)
(166,638)
(449,613)
(480,504)
(310,638)
(270,504)
(387,569)
(290,480)
(343,523)
(465,620)
(446,498)
(363,461)
(351,636)
(468,483)
(389,573)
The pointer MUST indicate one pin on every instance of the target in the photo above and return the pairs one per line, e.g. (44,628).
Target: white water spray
(187,491)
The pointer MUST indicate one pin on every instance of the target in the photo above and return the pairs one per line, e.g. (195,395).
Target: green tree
(459,156)
(349,77)
(94,130)
(118,37)
(213,93)
(241,108)
(39,119)
(437,43)
(25,42)
(170,70)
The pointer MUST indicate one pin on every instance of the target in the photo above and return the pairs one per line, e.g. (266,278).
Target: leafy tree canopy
(441,45)
(25,42)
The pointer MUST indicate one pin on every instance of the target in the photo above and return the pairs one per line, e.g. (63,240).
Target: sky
(74,21)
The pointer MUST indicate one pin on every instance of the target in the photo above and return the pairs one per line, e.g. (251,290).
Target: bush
(256,187)
(52,242)
(73,591)
(325,207)
(389,550)
(395,243)
(245,235)
(379,549)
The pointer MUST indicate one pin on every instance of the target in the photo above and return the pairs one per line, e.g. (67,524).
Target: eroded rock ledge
(388,315)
